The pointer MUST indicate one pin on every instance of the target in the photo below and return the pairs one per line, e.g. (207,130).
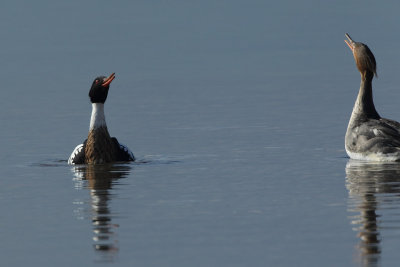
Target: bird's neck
(365,103)
(97,119)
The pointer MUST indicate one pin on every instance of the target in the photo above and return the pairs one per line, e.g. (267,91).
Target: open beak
(108,80)
(350,42)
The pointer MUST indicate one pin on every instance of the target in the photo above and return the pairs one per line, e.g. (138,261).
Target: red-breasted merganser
(369,136)
(99,147)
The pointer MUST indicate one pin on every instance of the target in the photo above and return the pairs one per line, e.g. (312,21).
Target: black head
(99,90)
(363,56)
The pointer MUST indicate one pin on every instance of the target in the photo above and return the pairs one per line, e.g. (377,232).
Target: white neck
(97,119)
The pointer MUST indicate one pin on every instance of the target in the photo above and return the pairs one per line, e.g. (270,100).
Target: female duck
(369,136)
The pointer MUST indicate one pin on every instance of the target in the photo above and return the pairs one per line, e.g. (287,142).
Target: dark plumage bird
(99,147)
(369,136)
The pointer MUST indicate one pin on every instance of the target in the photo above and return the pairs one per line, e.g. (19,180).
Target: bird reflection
(370,186)
(99,179)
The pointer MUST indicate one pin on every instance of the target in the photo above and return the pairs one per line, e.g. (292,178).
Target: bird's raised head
(363,56)
(99,90)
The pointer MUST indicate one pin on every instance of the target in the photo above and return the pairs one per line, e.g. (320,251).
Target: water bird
(369,136)
(99,147)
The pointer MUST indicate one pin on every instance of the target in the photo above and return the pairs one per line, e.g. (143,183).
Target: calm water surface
(374,191)
(236,112)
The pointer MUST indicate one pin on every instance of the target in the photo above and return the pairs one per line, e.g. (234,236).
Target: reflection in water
(374,195)
(99,179)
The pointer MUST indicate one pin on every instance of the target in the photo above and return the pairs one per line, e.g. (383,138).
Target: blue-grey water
(236,112)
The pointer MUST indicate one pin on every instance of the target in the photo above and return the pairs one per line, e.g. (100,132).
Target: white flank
(76,151)
(97,119)
(374,156)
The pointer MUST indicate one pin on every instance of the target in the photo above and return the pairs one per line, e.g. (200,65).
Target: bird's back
(373,139)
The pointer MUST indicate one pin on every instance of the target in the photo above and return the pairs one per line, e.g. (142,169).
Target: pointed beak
(108,80)
(350,42)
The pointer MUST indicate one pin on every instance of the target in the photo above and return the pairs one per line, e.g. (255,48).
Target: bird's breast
(99,147)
